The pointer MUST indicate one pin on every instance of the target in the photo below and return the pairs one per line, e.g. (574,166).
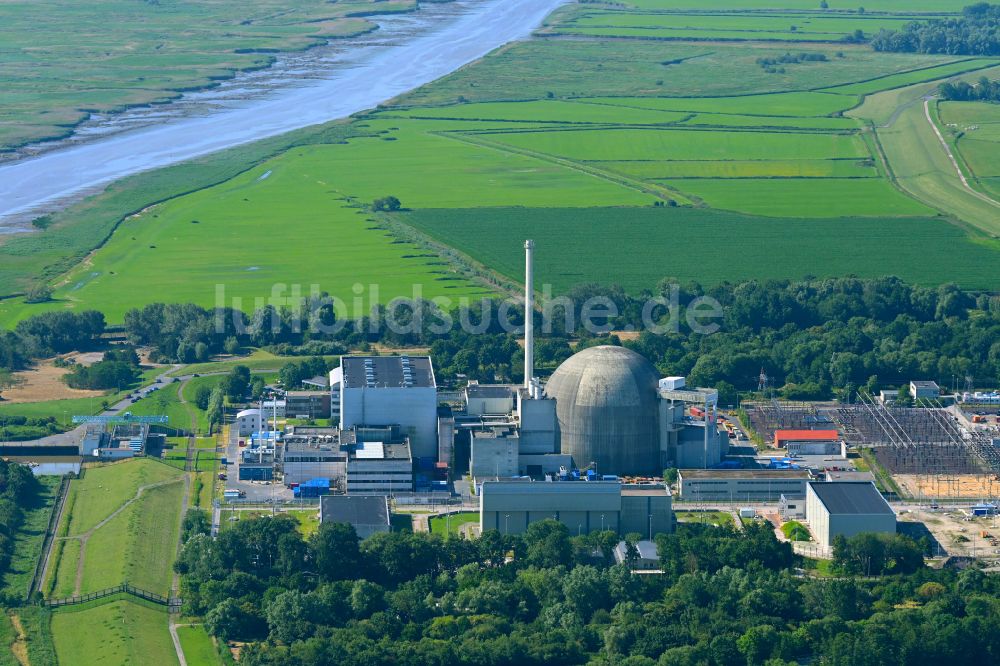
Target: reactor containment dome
(607,410)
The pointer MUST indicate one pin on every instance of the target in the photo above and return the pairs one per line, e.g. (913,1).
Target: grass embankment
(137,545)
(121,632)
(26,637)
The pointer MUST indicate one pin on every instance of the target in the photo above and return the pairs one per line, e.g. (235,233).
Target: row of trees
(813,337)
(118,369)
(960,91)
(18,490)
(547,597)
(976,32)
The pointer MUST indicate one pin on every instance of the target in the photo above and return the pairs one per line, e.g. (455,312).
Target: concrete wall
(414,409)
(477,406)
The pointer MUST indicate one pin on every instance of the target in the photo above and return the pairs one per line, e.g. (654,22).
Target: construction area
(932,451)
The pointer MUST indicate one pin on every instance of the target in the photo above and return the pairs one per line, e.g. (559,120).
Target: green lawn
(718,518)
(166,402)
(454,523)
(120,632)
(198,647)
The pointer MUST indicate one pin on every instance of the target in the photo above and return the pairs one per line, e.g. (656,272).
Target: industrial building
(389,391)
(307,404)
(808,442)
(846,508)
(379,464)
(311,452)
(740,485)
(367,514)
(604,409)
(792,507)
(924,390)
(583,506)
(248,422)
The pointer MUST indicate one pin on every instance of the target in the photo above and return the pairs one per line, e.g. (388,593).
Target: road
(36,185)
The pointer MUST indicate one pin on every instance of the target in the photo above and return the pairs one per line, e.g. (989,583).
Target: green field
(199,650)
(120,632)
(64,60)
(710,246)
(126,539)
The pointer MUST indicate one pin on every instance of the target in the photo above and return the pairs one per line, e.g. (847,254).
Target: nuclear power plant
(605,411)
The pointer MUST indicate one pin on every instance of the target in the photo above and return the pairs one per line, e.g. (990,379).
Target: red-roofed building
(783,437)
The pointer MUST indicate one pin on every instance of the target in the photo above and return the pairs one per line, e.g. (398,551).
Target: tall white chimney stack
(529,302)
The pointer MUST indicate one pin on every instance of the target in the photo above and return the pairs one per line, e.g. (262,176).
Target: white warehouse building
(386,391)
(846,508)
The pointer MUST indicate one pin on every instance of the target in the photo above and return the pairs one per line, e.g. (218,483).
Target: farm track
(951,157)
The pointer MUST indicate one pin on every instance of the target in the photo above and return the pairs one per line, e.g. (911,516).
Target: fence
(169,602)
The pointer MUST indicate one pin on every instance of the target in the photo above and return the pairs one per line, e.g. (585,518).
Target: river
(362,73)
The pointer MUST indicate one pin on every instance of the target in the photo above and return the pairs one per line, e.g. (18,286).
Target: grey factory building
(740,485)
(582,506)
(847,508)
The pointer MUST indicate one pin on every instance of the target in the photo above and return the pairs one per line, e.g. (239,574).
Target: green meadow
(974,128)
(126,53)
(710,246)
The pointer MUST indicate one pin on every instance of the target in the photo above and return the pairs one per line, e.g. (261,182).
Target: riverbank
(57,87)
(369,77)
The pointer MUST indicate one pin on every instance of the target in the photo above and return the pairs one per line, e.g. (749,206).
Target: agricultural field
(710,246)
(111,532)
(137,53)
(974,128)
(121,632)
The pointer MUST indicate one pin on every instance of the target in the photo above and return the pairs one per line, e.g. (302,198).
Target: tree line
(18,489)
(546,597)
(975,32)
(959,91)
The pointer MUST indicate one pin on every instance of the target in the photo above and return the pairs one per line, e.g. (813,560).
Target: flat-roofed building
(740,485)
(924,389)
(488,399)
(379,467)
(582,506)
(391,391)
(307,404)
(494,453)
(808,442)
(368,514)
(846,508)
